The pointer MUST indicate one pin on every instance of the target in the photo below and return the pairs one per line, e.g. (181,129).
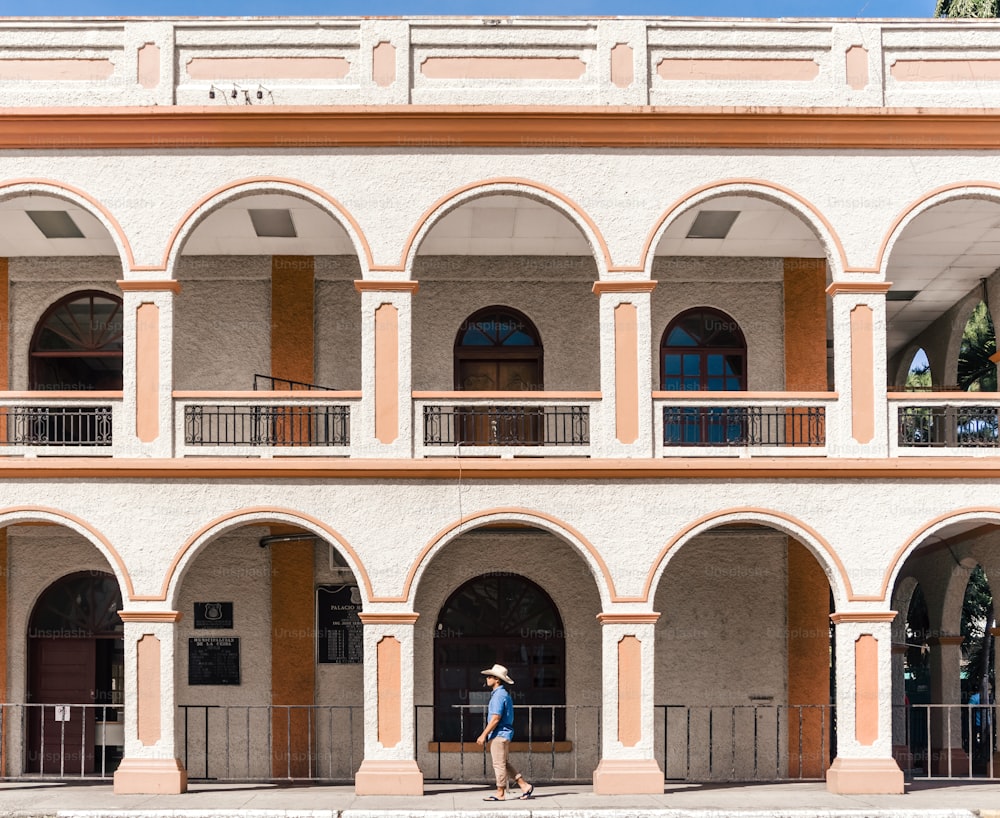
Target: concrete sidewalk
(794,800)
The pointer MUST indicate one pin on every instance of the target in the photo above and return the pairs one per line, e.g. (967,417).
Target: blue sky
(681,8)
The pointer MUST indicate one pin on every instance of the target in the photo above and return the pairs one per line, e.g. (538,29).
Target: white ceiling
(943,253)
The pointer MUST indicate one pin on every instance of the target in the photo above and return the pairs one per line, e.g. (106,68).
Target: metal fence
(744,426)
(56,425)
(506,425)
(943,425)
(272,425)
(742,743)
(948,741)
(272,742)
(561,743)
(61,741)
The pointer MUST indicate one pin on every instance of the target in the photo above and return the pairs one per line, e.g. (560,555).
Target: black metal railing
(943,425)
(271,742)
(752,742)
(284,425)
(56,425)
(744,426)
(268,383)
(948,741)
(62,741)
(559,743)
(506,425)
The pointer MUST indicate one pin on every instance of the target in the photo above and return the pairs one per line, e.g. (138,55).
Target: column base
(150,776)
(640,776)
(389,778)
(903,756)
(865,776)
(949,761)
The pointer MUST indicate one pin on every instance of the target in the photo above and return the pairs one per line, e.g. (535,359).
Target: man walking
(499,732)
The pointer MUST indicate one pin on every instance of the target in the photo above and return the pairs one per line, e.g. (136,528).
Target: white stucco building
(609,319)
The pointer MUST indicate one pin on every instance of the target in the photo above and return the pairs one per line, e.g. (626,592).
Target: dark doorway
(503,619)
(75,657)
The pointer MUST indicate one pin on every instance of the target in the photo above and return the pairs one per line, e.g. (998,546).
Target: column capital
(602,287)
(363,286)
(405,618)
(946,639)
(863,617)
(859,288)
(150,616)
(127,286)
(628,618)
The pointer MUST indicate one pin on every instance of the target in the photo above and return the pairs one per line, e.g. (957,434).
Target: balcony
(504,424)
(944,423)
(689,424)
(42,423)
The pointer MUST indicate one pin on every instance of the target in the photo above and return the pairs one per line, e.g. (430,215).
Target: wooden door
(63,671)
(499,425)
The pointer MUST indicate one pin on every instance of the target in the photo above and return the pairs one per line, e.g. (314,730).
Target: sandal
(526,795)
(493,798)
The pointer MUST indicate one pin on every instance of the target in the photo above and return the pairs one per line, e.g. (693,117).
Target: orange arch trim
(828,550)
(492,512)
(681,204)
(59,186)
(916,204)
(261,182)
(97,535)
(245,512)
(440,207)
(901,552)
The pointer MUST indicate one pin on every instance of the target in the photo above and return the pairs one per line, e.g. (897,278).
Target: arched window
(76,657)
(505,619)
(703,350)
(498,349)
(77,344)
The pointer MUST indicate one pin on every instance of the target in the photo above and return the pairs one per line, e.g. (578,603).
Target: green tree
(976,372)
(967,8)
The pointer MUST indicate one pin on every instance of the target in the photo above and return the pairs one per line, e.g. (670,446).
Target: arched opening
(75,676)
(919,377)
(77,344)
(506,619)
(704,350)
(498,349)
(976,371)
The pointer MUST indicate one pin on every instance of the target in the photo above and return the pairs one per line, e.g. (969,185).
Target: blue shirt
(501,705)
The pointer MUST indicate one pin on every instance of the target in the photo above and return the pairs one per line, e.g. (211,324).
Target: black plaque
(217,615)
(339,634)
(213,660)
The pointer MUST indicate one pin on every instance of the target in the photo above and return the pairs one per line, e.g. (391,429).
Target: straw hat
(500,672)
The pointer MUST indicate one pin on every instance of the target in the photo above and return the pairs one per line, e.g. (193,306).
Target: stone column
(947,756)
(628,765)
(626,427)
(864,762)
(150,765)
(390,765)
(859,338)
(144,427)
(384,427)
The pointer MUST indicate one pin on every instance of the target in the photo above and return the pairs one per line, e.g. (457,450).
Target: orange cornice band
(863,617)
(387,286)
(945,640)
(388,618)
(474,126)
(149,286)
(601,287)
(628,618)
(859,287)
(150,616)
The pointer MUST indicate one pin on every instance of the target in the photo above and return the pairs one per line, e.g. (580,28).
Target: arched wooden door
(75,657)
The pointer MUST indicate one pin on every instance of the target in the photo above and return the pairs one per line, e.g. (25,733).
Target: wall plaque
(218,615)
(213,660)
(339,632)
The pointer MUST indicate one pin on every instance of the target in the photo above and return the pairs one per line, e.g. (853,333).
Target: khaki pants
(499,752)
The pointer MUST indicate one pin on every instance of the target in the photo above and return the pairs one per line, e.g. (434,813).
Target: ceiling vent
(712,224)
(901,295)
(273,224)
(55,224)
